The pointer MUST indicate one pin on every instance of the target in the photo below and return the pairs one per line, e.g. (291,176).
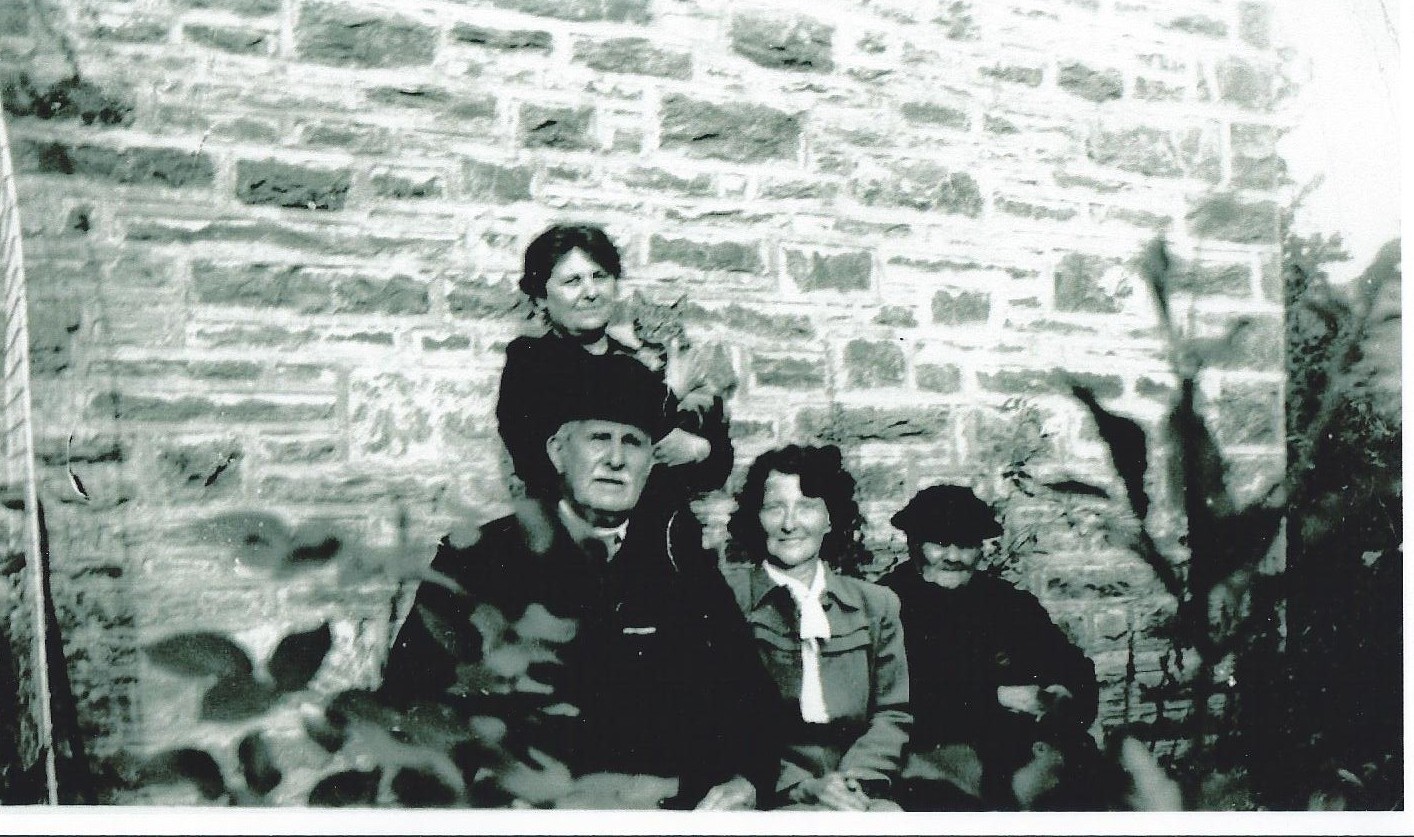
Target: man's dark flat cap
(615,388)
(947,514)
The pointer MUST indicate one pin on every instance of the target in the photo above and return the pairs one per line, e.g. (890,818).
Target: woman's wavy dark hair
(823,475)
(547,248)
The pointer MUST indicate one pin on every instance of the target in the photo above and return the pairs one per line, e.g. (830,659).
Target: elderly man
(661,677)
(992,678)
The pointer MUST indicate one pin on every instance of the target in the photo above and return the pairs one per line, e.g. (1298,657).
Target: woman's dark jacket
(662,669)
(538,368)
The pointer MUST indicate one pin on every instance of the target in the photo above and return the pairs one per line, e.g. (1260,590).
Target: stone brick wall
(273,247)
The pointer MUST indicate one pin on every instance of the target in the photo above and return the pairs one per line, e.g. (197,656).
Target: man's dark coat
(662,669)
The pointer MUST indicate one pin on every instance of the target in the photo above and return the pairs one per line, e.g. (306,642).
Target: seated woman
(571,277)
(831,642)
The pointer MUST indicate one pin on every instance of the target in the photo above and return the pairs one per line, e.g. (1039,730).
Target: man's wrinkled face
(603,466)
(949,566)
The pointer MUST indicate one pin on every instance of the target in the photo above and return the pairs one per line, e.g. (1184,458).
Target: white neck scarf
(814,627)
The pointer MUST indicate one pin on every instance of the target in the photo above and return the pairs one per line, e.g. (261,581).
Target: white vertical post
(19,449)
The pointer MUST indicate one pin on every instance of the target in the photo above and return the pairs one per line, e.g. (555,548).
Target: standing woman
(571,275)
(832,643)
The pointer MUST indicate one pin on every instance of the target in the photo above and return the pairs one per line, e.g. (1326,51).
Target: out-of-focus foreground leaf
(199,654)
(350,787)
(185,765)
(298,657)
(235,698)
(258,764)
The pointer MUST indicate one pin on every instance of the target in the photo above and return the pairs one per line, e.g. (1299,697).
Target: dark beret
(615,388)
(947,514)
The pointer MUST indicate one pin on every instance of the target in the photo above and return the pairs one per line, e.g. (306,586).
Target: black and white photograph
(665,408)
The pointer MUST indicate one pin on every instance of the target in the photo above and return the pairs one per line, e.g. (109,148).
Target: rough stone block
(998,125)
(1043,381)
(1015,74)
(620,11)
(407,186)
(876,481)
(933,377)
(450,343)
(306,290)
(86,448)
(788,372)
(272,183)
(855,425)
(838,272)
(1210,278)
(749,320)
(1089,83)
(345,488)
(783,43)
(1246,84)
(237,39)
(657,180)
(139,30)
(1229,218)
(360,139)
(508,40)
(931,113)
(300,451)
(922,185)
(52,326)
(1249,414)
(1160,391)
(870,364)
(199,470)
(488,181)
(559,128)
(1035,211)
(68,98)
(961,308)
(482,301)
(342,36)
(900,316)
(1078,287)
(956,20)
(171,167)
(1157,153)
(1257,345)
(249,8)
(633,55)
(1255,162)
(185,408)
(420,96)
(1104,386)
(1156,90)
(475,108)
(739,132)
(1254,24)
(1198,25)
(720,255)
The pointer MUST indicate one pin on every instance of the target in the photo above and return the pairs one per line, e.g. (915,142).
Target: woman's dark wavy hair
(547,248)
(822,474)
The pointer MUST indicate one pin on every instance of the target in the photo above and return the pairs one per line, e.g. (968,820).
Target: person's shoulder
(1001,595)
(532,345)
(878,598)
